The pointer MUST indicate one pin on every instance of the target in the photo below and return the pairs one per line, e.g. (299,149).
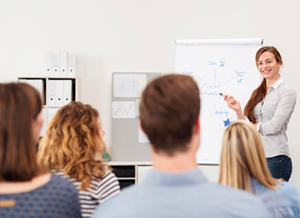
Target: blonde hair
(243,157)
(73,143)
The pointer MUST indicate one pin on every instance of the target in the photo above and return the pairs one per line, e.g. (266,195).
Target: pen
(222,94)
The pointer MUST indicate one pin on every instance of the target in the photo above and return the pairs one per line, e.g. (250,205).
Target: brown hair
(243,157)
(169,109)
(20,104)
(72,143)
(260,92)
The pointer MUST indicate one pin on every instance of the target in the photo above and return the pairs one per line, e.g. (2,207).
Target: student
(27,190)
(243,166)
(72,148)
(270,108)
(169,112)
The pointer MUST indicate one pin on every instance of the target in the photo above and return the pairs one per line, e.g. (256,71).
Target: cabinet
(55,92)
(129,173)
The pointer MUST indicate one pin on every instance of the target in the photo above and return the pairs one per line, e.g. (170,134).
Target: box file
(39,85)
(59,90)
(55,64)
(44,127)
(71,64)
(51,114)
(48,63)
(51,93)
(63,64)
(67,94)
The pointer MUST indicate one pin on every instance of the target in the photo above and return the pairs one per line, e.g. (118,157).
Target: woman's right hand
(232,103)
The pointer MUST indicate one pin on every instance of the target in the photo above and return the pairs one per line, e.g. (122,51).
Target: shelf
(55,92)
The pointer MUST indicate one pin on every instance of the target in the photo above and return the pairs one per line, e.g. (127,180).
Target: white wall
(139,36)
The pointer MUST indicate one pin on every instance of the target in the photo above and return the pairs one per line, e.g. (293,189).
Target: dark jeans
(280,167)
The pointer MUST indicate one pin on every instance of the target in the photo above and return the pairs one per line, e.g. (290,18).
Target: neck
(270,82)
(177,163)
(19,187)
(180,161)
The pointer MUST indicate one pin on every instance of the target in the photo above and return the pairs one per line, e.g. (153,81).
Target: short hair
(20,105)
(243,157)
(73,143)
(169,109)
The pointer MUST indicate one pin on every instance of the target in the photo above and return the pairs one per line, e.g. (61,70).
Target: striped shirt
(98,192)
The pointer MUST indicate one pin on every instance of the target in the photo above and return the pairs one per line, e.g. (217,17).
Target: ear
(140,125)
(279,64)
(197,125)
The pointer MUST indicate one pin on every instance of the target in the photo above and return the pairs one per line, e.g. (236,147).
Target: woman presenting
(270,108)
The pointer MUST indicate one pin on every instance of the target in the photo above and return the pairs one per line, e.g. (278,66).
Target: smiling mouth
(266,71)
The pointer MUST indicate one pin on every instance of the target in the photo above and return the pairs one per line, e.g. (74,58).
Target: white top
(98,192)
(273,115)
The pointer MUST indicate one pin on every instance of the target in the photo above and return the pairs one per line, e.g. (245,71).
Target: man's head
(169,110)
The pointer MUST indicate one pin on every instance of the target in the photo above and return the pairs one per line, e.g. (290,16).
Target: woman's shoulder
(288,189)
(108,177)
(288,89)
(62,183)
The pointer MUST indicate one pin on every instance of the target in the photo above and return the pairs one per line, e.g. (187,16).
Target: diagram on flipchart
(216,71)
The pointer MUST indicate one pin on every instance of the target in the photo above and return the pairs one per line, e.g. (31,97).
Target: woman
(270,108)
(26,189)
(243,166)
(72,148)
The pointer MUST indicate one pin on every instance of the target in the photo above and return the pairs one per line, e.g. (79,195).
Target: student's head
(270,49)
(73,142)
(169,110)
(21,121)
(243,157)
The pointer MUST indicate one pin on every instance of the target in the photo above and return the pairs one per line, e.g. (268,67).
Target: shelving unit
(42,85)
(127,172)
(133,173)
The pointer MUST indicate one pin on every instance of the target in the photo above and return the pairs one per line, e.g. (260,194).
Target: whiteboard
(218,66)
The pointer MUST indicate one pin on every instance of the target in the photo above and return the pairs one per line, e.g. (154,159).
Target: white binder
(38,84)
(63,64)
(51,114)
(55,64)
(67,94)
(71,64)
(44,127)
(51,93)
(59,90)
(48,63)
(28,81)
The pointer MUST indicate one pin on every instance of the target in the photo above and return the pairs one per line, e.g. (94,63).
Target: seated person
(26,189)
(72,147)
(243,166)
(169,112)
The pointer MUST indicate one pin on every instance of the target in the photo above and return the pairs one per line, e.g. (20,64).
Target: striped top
(98,192)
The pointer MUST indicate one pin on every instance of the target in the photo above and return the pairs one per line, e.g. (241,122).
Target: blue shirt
(187,194)
(282,202)
(57,198)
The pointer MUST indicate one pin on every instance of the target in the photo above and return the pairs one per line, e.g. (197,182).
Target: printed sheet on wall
(218,66)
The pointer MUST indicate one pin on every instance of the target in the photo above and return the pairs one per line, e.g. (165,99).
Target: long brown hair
(260,92)
(20,105)
(72,143)
(243,157)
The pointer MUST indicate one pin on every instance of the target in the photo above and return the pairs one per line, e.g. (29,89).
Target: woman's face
(101,131)
(268,66)
(36,126)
